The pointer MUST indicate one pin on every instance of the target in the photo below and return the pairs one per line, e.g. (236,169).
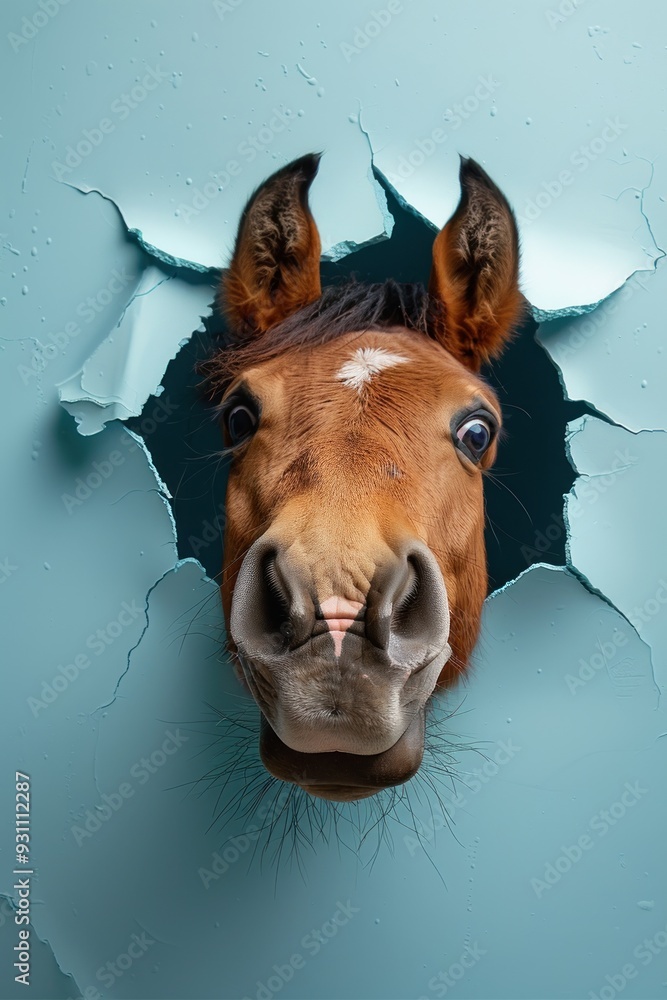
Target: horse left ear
(475,271)
(275,268)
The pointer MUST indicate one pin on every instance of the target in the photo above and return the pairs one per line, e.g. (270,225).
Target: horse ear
(476,271)
(275,268)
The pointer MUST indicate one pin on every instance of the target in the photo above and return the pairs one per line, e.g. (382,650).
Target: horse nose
(407,611)
(271,610)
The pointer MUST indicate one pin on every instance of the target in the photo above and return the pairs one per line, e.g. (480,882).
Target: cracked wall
(130,146)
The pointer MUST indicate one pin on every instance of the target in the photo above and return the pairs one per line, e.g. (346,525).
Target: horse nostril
(275,600)
(408,609)
(420,618)
(271,607)
(406,601)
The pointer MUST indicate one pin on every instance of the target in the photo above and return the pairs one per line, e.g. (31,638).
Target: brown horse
(354,563)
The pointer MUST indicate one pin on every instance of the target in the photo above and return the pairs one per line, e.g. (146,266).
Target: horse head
(360,429)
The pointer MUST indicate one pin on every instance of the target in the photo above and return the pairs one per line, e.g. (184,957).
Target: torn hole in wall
(185,446)
(532,462)
(524,492)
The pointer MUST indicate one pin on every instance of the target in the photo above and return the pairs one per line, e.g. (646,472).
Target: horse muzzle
(342,684)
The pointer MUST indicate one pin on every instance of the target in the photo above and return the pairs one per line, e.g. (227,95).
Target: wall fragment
(615,515)
(614,357)
(117,379)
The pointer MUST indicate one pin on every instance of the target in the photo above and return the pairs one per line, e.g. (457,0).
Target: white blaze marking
(365,363)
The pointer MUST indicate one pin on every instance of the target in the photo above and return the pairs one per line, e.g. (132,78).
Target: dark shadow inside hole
(524,491)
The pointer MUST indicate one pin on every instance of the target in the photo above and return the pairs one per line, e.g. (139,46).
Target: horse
(359,429)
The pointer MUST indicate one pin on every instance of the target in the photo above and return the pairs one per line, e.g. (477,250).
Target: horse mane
(341,308)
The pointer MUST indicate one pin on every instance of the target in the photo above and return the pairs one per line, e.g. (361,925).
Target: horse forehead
(346,369)
(411,365)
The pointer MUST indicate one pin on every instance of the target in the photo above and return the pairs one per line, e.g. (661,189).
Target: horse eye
(475,435)
(241,423)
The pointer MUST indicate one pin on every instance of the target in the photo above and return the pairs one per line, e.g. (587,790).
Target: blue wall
(131,137)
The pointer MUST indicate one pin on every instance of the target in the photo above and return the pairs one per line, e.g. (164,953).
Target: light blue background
(559,723)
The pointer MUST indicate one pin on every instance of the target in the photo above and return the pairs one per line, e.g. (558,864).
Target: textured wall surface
(132,135)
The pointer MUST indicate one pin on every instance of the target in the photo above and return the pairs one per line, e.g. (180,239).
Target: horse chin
(345,777)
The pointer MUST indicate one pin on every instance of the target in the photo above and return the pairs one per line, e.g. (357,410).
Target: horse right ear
(275,268)
(476,271)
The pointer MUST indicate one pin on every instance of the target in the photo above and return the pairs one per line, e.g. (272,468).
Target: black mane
(341,308)
(355,305)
